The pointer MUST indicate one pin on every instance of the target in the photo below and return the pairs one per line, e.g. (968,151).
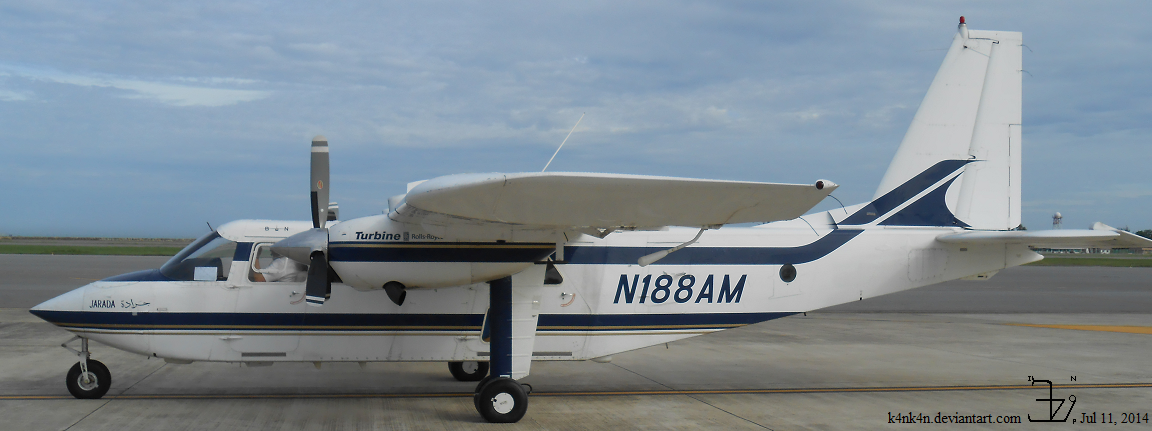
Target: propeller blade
(319,181)
(319,286)
(311,246)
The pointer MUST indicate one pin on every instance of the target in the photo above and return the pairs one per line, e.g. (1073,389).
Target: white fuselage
(606,304)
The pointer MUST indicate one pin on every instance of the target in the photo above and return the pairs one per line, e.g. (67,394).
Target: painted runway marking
(1100,328)
(601,393)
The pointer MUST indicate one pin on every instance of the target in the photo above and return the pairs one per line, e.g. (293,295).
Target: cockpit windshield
(207,259)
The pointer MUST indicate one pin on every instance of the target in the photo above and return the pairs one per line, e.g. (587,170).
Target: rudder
(990,190)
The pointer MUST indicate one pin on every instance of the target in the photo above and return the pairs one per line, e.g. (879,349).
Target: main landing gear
(88,379)
(501,400)
(468,371)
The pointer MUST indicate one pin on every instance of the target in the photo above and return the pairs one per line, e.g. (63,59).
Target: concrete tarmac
(856,366)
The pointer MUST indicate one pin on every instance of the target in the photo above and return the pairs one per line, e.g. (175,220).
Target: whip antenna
(562,143)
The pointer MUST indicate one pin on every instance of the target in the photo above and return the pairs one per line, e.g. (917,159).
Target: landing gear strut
(468,371)
(88,379)
(499,398)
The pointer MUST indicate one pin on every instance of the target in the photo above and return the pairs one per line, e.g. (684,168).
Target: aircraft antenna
(841,203)
(562,143)
(809,225)
(209,227)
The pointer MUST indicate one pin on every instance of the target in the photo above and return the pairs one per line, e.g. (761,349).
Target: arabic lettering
(132,304)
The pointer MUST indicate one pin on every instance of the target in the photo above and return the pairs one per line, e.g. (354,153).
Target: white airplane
(494,271)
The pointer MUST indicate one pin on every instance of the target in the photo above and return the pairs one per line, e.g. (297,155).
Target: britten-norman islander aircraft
(489,272)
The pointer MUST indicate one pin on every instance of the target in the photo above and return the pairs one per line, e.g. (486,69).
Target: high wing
(563,199)
(1101,235)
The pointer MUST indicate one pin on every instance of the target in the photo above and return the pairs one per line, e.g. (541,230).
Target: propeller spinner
(311,246)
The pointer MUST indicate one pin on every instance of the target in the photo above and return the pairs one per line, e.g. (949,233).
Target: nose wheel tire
(468,371)
(502,400)
(91,385)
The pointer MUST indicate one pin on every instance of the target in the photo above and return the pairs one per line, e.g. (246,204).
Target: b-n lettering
(728,293)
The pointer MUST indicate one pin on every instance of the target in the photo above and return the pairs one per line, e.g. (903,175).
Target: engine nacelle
(370,252)
(364,275)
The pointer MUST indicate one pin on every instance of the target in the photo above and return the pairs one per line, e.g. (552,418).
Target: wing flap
(564,199)
(1101,235)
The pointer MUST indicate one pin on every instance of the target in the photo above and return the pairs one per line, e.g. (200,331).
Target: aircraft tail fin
(969,119)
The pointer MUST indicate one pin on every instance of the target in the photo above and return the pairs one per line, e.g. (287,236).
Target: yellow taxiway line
(603,393)
(1100,328)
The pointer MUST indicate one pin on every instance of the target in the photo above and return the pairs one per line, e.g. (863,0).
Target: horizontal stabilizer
(1100,236)
(562,199)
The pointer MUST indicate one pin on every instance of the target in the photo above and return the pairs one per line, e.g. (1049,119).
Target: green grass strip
(1135,262)
(88,250)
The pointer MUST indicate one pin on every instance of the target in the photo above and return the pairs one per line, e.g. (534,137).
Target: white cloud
(319,48)
(214,80)
(163,92)
(184,95)
(12,96)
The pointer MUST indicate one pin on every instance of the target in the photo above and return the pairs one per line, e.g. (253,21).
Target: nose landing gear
(89,378)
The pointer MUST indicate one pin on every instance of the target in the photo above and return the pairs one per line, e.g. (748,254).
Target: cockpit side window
(207,259)
(268,266)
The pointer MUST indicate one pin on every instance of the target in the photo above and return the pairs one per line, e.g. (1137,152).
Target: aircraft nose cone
(53,309)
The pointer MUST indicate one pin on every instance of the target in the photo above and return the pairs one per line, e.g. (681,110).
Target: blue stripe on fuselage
(439,252)
(145,275)
(388,322)
(534,252)
(614,322)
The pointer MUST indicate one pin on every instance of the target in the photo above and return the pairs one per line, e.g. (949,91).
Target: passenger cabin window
(207,259)
(268,266)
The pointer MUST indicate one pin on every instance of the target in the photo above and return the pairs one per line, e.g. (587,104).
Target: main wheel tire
(476,393)
(502,400)
(469,371)
(91,386)
(481,383)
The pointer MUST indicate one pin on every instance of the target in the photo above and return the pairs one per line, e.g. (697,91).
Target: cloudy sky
(141,119)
